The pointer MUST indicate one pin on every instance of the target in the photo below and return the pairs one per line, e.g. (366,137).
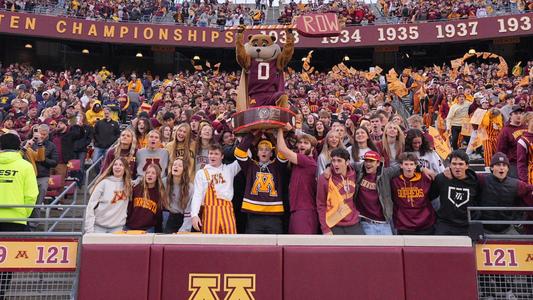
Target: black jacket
(106,133)
(50,161)
(455,197)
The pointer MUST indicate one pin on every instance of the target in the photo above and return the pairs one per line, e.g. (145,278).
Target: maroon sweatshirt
(322,199)
(412,208)
(524,156)
(507,141)
(145,213)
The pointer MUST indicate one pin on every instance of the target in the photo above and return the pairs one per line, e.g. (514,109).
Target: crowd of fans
(211,13)
(362,160)
(194,13)
(351,12)
(413,11)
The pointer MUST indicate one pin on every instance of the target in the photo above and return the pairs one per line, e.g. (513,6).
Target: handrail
(56,200)
(88,185)
(500,222)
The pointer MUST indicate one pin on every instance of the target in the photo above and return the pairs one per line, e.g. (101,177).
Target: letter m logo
(204,286)
(239,286)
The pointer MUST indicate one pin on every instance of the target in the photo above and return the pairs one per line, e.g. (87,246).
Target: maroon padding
(114,272)
(156,272)
(181,260)
(440,273)
(342,273)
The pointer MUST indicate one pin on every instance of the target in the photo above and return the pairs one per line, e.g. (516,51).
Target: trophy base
(262,118)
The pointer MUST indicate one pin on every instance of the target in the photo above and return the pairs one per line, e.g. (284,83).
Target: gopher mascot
(262,80)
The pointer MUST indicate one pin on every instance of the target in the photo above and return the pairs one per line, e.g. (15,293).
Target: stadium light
(85,51)
(472,51)
(28,46)
(139,54)
(346,58)
(196,57)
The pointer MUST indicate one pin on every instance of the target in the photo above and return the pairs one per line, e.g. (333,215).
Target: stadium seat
(56,184)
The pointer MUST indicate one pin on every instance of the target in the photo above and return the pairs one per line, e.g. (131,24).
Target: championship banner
(504,258)
(38,255)
(59,27)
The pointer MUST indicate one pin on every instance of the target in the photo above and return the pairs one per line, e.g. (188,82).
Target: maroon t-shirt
(367,201)
(302,191)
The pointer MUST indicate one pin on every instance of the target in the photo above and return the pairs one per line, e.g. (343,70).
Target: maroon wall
(157,271)
(440,273)
(342,273)
(114,272)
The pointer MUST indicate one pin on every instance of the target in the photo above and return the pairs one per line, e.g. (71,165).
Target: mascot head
(262,47)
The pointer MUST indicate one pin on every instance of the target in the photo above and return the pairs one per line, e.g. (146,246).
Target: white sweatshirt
(223,180)
(108,205)
(431,160)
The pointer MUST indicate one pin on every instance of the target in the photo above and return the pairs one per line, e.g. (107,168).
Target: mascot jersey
(265,83)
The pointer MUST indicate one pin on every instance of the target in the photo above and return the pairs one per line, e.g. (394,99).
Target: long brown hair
(355,146)
(399,142)
(199,138)
(158,184)
(126,178)
(183,182)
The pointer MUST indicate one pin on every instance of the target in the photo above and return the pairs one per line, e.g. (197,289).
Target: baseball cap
(265,143)
(517,108)
(499,157)
(372,155)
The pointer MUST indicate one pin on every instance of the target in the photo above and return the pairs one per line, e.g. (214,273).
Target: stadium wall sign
(183,36)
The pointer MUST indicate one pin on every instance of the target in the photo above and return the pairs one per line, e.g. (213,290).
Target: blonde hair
(326,148)
(399,142)
(133,145)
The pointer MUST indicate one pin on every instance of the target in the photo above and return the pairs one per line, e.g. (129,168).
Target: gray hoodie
(108,205)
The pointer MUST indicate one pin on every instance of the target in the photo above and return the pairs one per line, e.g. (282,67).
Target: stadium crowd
(362,159)
(213,14)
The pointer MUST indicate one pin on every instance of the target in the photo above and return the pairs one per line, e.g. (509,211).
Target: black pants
(6,276)
(442,228)
(174,223)
(427,231)
(456,132)
(355,229)
(264,224)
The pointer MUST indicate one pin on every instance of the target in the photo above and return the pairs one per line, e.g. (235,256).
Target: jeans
(376,228)
(98,152)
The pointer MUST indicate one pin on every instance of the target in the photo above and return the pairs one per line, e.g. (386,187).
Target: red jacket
(507,141)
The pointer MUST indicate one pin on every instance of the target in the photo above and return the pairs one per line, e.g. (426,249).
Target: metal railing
(44,283)
(88,185)
(501,222)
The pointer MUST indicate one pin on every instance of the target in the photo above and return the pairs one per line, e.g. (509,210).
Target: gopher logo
(263,62)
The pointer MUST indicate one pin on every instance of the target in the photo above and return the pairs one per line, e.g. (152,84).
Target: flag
(437,70)
(305,77)
(517,70)
(378,70)
(207,64)
(336,209)
(466,69)
(442,147)
(502,67)
(398,88)
(353,71)
(217,65)
(524,81)
(392,75)
(456,63)
(198,68)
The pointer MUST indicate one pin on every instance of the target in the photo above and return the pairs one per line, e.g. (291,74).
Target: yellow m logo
(264,183)
(207,286)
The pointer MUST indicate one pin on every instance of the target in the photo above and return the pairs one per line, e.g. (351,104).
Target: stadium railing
(42,264)
(510,281)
